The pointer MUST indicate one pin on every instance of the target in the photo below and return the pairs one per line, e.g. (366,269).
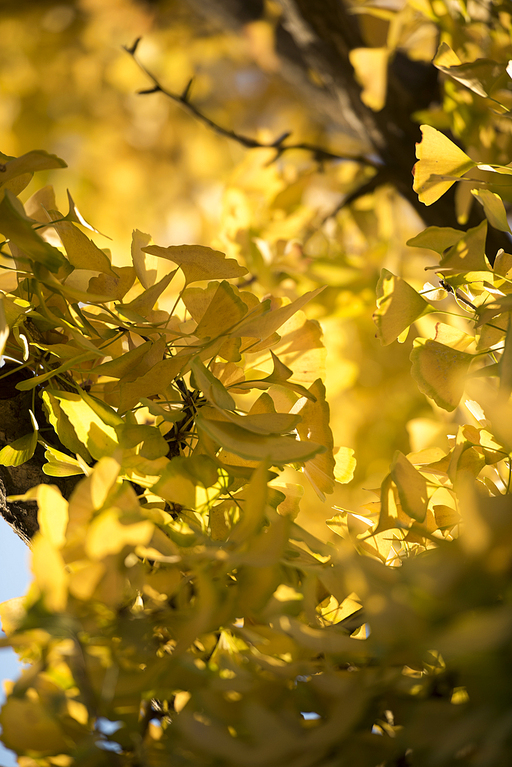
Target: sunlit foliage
(211,592)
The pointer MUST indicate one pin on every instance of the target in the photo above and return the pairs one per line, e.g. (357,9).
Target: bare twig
(319,153)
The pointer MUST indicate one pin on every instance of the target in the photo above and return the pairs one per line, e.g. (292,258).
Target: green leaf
(15,225)
(198,262)
(398,306)
(412,487)
(439,371)
(493,208)
(211,387)
(257,447)
(437,156)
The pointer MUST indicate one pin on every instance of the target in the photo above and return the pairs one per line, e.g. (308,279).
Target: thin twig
(319,153)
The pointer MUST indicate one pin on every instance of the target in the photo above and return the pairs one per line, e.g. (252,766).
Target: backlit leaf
(398,306)
(211,387)
(314,425)
(17,226)
(52,514)
(493,207)
(50,573)
(412,487)
(437,156)
(30,162)
(81,251)
(439,372)
(198,262)
(107,534)
(246,444)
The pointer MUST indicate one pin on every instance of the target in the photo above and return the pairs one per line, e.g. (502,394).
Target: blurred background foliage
(143,162)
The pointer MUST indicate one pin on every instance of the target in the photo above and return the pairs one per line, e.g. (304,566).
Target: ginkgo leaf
(314,425)
(152,441)
(467,254)
(119,367)
(98,437)
(81,251)
(223,312)
(412,487)
(114,284)
(198,262)
(22,449)
(107,534)
(211,387)
(144,303)
(63,427)
(253,514)
(437,156)
(277,449)
(481,76)
(398,306)
(155,381)
(15,225)
(28,725)
(345,464)
(436,238)
(265,423)
(52,514)
(371,68)
(493,207)
(145,267)
(266,321)
(439,371)
(30,162)
(50,573)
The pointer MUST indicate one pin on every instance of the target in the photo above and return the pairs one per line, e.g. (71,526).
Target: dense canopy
(255,416)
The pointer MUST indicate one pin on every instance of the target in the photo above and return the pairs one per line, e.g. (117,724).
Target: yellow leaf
(82,253)
(84,578)
(12,613)
(145,267)
(468,254)
(371,68)
(314,425)
(398,306)
(52,514)
(92,431)
(108,535)
(412,487)
(279,450)
(439,372)
(437,156)
(493,207)
(49,573)
(345,465)
(27,725)
(198,262)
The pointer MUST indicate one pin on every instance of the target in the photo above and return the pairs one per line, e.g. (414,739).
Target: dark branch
(319,153)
